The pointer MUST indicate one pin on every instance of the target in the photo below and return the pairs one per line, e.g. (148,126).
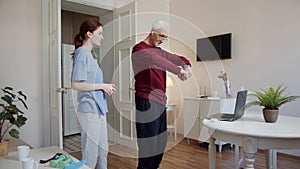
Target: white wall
(21,59)
(147,13)
(265,49)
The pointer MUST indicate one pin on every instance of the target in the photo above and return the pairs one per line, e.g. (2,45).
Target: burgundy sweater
(150,65)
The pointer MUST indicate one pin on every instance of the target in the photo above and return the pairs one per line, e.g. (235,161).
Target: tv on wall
(214,48)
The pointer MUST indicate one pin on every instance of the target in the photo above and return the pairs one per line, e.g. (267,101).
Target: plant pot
(4,147)
(270,115)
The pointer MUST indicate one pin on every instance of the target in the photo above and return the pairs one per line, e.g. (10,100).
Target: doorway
(72,15)
(115,54)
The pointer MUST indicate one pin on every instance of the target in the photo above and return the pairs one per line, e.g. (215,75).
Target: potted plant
(271,99)
(11,116)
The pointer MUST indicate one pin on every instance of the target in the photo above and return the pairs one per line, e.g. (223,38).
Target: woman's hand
(109,89)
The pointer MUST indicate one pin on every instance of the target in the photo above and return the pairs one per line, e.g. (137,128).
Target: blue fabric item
(76,165)
(86,69)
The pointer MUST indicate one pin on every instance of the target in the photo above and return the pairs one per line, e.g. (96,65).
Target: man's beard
(157,44)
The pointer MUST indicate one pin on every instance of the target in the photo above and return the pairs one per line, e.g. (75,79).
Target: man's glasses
(163,36)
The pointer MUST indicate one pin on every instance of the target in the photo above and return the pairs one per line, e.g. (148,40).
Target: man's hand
(183,75)
(188,69)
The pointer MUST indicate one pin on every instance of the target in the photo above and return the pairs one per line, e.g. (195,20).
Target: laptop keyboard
(227,116)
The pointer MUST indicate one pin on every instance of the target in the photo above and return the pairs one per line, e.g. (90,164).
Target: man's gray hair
(160,24)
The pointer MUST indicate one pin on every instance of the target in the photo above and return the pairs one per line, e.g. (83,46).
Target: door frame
(50,35)
(46,74)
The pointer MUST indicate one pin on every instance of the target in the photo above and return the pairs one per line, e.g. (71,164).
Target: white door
(125,39)
(55,72)
(70,120)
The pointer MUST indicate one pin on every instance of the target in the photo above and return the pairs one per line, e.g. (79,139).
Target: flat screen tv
(214,48)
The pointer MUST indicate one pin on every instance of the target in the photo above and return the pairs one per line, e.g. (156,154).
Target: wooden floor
(195,155)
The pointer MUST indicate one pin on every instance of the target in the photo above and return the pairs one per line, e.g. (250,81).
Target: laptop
(238,111)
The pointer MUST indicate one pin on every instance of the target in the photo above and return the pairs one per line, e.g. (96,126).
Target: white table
(11,160)
(252,133)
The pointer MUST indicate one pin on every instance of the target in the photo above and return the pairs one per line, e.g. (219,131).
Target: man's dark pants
(151,127)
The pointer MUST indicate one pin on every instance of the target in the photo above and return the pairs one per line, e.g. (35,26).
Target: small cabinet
(191,116)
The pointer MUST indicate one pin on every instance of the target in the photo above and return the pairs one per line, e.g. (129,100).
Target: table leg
(271,159)
(236,156)
(212,153)
(249,148)
(220,147)
(175,132)
(241,162)
(268,156)
(274,159)
(249,161)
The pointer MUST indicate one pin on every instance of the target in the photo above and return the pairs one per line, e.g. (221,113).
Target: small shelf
(172,108)
(169,126)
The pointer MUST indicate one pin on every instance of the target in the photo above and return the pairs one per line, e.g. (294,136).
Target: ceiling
(93,7)
(83,8)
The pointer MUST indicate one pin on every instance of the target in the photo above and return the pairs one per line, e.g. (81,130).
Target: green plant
(270,98)
(10,113)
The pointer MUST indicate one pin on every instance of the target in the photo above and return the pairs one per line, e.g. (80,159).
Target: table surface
(11,160)
(254,125)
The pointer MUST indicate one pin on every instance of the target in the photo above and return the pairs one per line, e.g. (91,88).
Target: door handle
(129,91)
(63,90)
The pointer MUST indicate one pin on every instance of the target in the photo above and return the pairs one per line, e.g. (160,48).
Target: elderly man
(150,64)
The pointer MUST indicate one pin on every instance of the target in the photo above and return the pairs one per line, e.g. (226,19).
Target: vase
(227,89)
(270,115)
(4,148)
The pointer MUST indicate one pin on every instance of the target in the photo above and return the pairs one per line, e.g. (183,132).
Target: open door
(70,120)
(125,39)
